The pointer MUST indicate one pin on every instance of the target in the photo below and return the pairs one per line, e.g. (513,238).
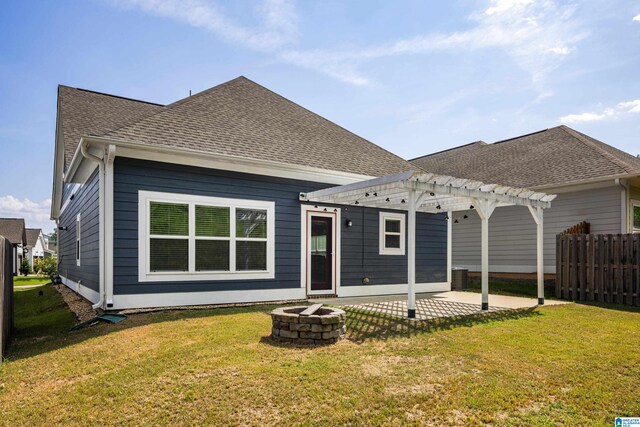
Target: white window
(392,233)
(184,237)
(635,213)
(78,237)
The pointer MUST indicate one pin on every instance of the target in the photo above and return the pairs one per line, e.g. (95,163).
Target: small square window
(392,233)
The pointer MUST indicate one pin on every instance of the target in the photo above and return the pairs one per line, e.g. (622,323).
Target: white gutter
(87,155)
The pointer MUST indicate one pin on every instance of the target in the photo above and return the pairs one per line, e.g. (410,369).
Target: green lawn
(569,365)
(30,280)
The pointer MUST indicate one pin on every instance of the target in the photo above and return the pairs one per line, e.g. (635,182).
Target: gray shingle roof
(242,118)
(13,230)
(32,236)
(550,157)
(85,112)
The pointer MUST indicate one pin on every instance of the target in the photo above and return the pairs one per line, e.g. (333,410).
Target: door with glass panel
(321,258)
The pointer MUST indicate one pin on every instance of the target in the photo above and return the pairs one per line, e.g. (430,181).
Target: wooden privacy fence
(6,294)
(598,267)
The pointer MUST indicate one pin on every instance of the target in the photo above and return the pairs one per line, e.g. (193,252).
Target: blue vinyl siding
(133,175)
(431,250)
(86,201)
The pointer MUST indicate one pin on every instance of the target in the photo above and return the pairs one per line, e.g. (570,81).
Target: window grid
(253,257)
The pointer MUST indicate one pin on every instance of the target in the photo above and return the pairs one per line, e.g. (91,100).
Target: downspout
(87,155)
(625,205)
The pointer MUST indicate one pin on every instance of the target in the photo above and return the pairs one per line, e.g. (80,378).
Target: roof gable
(241,118)
(13,229)
(553,156)
(32,236)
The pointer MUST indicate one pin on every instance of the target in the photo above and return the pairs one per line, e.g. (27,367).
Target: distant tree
(53,237)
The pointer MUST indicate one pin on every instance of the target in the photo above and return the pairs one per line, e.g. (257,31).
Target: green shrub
(25,267)
(46,267)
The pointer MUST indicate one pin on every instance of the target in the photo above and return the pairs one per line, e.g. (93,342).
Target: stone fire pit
(308,325)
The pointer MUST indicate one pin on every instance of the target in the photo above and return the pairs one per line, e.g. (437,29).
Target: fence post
(559,258)
(6,294)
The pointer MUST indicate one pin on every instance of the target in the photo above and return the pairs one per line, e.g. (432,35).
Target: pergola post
(485,208)
(536,213)
(411,255)
(449,247)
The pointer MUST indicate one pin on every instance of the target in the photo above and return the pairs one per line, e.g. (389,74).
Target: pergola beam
(463,192)
(412,192)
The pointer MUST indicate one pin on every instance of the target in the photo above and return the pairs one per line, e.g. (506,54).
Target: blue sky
(412,76)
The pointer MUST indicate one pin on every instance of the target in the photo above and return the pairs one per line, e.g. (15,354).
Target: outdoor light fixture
(348,223)
(62,228)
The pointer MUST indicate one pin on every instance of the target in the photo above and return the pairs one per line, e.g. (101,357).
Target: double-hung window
(392,233)
(184,237)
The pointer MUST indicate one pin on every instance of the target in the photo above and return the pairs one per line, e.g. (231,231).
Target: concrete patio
(436,305)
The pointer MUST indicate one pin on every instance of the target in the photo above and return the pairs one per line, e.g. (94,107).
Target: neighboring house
(594,182)
(51,247)
(13,229)
(198,202)
(36,246)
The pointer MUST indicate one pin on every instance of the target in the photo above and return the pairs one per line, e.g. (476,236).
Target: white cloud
(35,214)
(278,20)
(637,18)
(537,35)
(621,109)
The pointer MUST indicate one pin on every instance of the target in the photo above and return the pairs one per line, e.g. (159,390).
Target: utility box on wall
(459,278)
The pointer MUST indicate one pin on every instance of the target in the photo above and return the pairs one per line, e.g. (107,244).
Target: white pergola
(425,192)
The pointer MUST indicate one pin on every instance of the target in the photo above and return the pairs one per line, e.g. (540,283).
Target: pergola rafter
(426,192)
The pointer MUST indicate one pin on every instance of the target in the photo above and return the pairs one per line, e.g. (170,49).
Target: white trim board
(305,257)
(144,273)
(371,290)
(204,298)
(214,161)
(88,293)
(382,233)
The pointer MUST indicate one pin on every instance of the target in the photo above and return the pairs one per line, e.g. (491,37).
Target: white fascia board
(585,184)
(215,161)
(175,299)
(58,170)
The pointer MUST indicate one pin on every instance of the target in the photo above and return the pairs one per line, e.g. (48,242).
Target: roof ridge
(111,95)
(173,105)
(613,159)
(479,142)
(519,136)
(327,120)
(240,78)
